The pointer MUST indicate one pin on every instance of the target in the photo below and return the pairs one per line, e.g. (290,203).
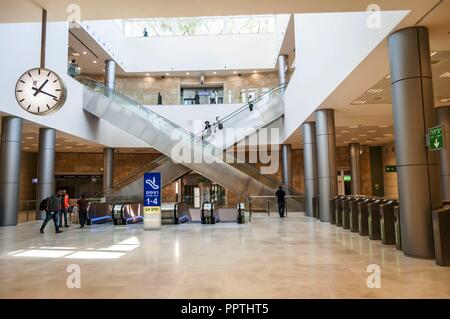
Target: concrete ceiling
(66,143)
(29,10)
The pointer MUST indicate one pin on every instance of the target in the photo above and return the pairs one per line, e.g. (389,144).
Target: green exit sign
(347,178)
(391,169)
(436,138)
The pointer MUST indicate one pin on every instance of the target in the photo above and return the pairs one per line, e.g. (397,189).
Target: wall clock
(40,91)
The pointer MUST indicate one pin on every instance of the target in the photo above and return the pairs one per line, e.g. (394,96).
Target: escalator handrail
(227,118)
(89,81)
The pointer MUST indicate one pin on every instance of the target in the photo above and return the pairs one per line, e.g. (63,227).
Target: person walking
(64,206)
(51,212)
(280,194)
(82,210)
(159,98)
(145,33)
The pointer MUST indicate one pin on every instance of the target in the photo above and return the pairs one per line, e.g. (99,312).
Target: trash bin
(441,230)
(354,212)
(374,219)
(398,231)
(363,216)
(346,212)
(338,211)
(387,223)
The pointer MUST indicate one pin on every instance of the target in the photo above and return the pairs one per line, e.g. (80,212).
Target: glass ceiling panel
(198,26)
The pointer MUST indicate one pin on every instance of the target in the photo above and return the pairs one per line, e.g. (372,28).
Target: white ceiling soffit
(329,46)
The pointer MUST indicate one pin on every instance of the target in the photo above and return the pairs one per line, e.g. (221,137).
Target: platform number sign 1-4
(152,200)
(436,138)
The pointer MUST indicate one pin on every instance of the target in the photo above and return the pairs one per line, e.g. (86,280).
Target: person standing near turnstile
(280,194)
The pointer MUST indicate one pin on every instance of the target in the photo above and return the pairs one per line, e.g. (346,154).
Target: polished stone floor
(296,257)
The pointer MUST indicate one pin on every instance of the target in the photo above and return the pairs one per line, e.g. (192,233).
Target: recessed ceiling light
(215,72)
(26,148)
(371,131)
(362,135)
(387,134)
(445,75)
(368,142)
(375,91)
(167,73)
(84,52)
(359,102)
(445,100)
(29,137)
(345,132)
(68,147)
(254,71)
(95,61)
(388,76)
(354,126)
(104,70)
(187,73)
(433,54)
(234,72)
(377,138)
(75,54)
(147,74)
(383,126)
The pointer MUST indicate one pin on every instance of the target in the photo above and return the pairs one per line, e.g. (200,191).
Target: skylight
(219,25)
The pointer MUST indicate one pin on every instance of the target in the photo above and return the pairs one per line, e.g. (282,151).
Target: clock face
(40,91)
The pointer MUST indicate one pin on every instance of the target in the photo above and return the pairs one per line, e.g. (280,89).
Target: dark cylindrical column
(46,165)
(110,74)
(355,167)
(10,153)
(310,165)
(286,165)
(326,161)
(108,169)
(418,168)
(443,118)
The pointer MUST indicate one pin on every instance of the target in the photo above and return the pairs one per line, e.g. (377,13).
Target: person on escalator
(82,210)
(280,194)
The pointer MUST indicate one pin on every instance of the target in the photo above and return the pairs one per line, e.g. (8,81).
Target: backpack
(43,204)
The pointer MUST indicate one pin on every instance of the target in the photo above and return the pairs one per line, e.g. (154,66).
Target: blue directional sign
(152,189)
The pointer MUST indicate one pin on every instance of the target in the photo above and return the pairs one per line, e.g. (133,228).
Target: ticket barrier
(387,222)
(374,219)
(398,231)
(363,216)
(339,210)
(354,213)
(207,214)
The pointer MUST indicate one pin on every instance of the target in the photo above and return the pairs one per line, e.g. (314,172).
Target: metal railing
(268,204)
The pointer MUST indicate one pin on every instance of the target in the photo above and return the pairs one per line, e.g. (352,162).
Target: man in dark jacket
(83,205)
(53,207)
(280,194)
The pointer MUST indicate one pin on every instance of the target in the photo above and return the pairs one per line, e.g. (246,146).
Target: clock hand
(39,90)
(45,93)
